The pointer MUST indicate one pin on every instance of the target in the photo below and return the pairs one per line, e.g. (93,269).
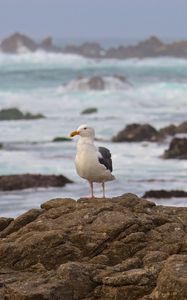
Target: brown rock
(164,194)
(96,83)
(137,133)
(177,149)
(25,181)
(17,40)
(119,248)
(4,222)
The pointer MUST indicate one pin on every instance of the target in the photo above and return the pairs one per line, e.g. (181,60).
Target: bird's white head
(84,131)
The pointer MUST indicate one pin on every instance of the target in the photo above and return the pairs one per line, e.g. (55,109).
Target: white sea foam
(47,60)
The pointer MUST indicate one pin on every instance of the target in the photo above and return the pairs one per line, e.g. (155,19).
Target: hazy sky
(94,18)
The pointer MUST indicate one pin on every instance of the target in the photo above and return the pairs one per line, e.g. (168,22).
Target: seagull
(92,163)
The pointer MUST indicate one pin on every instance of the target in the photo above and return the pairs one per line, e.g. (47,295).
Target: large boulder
(119,248)
(25,181)
(177,149)
(137,133)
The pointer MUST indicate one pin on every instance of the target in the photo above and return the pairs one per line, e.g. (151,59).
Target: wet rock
(137,133)
(61,139)
(164,194)
(90,110)
(177,149)
(17,43)
(25,181)
(98,83)
(168,130)
(47,45)
(119,248)
(173,129)
(16,114)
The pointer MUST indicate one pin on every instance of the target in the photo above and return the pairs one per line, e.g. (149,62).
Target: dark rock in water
(168,130)
(119,248)
(47,45)
(16,41)
(173,129)
(182,128)
(164,194)
(96,83)
(137,133)
(25,181)
(90,110)
(177,149)
(16,114)
(61,139)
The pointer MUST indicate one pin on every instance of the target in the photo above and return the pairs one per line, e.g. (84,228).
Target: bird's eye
(85,128)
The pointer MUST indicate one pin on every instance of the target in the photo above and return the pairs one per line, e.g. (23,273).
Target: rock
(17,43)
(164,194)
(47,45)
(16,114)
(61,139)
(177,149)
(137,133)
(120,248)
(98,83)
(168,130)
(182,128)
(172,280)
(25,181)
(173,129)
(90,110)
(4,222)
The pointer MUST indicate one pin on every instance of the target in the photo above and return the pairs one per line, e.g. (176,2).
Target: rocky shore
(120,248)
(151,47)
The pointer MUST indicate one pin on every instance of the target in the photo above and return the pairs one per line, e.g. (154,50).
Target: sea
(41,82)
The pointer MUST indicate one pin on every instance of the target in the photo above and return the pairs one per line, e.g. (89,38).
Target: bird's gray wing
(105,157)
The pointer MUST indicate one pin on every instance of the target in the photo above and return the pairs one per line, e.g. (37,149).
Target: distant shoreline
(151,47)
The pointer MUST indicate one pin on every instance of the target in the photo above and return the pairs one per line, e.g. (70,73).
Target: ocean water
(42,83)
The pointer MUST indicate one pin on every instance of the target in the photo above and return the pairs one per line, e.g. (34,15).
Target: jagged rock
(90,110)
(164,194)
(177,149)
(18,42)
(119,248)
(25,181)
(137,133)
(16,114)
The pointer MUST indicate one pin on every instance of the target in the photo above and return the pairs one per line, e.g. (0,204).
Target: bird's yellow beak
(73,133)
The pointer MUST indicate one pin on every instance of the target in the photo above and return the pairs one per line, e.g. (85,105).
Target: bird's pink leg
(91,186)
(103,186)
